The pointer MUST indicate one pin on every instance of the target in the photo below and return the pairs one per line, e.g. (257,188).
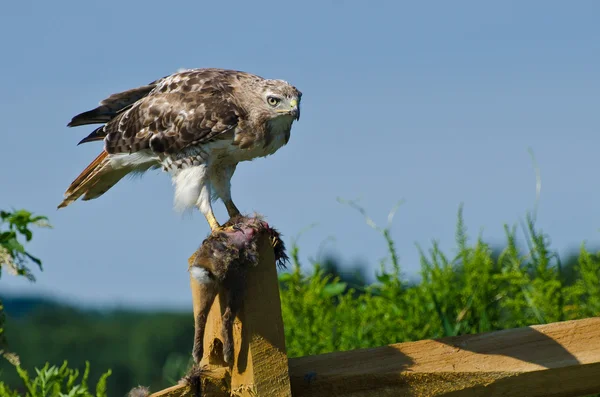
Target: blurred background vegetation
(475,289)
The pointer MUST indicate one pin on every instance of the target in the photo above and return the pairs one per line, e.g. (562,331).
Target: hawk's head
(279,99)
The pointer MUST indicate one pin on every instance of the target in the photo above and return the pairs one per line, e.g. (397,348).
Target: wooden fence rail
(552,360)
(558,359)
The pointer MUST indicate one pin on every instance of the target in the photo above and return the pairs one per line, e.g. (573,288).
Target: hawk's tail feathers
(110,107)
(99,115)
(95,180)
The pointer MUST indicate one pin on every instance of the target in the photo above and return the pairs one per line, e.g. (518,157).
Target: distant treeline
(149,348)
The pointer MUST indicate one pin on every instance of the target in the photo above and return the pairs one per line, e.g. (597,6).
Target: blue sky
(435,103)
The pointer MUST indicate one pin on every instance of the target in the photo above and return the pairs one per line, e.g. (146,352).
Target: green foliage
(141,348)
(53,381)
(50,381)
(15,258)
(475,290)
(12,252)
(583,297)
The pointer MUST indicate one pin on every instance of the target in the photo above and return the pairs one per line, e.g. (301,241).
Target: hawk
(195,124)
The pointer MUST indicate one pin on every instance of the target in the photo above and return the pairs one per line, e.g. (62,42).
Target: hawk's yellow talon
(212,221)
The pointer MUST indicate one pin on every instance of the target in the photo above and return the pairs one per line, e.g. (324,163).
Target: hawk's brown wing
(186,108)
(169,122)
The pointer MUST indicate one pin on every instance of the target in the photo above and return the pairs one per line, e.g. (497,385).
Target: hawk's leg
(231,208)
(212,220)
(221,181)
(206,208)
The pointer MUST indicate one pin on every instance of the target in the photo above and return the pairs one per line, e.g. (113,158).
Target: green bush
(15,258)
(473,291)
(52,381)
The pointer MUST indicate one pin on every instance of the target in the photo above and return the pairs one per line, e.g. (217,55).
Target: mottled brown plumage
(196,124)
(221,266)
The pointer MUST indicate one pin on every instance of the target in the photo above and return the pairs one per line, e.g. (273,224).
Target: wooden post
(260,365)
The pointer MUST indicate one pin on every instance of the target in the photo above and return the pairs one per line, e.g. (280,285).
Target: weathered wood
(558,359)
(174,391)
(553,360)
(215,383)
(260,361)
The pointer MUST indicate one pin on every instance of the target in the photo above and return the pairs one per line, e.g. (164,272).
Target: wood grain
(260,365)
(558,359)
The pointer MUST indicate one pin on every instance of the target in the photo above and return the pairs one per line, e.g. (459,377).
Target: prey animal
(197,125)
(221,265)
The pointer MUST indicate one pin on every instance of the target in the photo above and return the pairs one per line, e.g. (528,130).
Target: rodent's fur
(221,266)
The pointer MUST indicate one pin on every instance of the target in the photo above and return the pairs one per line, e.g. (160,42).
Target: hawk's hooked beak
(295,112)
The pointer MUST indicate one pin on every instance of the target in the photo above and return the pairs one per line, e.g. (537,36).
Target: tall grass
(476,290)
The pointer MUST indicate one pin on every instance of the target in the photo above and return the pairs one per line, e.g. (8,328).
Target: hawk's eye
(273,101)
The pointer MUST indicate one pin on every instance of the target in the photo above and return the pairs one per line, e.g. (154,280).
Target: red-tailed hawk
(196,124)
